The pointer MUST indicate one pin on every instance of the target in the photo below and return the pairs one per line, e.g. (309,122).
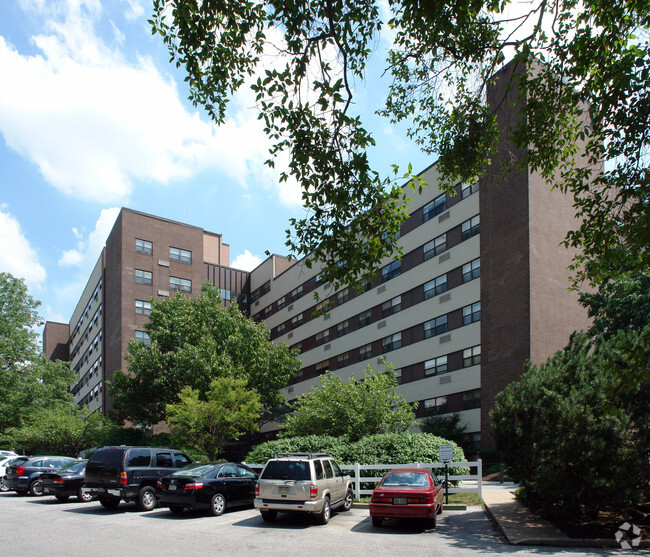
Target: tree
(355,408)
(28,380)
(582,67)
(448,427)
(571,454)
(62,429)
(194,341)
(229,410)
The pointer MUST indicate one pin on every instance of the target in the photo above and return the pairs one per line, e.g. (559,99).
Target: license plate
(172,488)
(284,489)
(399,501)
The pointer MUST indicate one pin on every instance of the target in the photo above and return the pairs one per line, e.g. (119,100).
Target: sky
(93,117)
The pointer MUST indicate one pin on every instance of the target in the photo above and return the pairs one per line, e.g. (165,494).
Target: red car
(407,493)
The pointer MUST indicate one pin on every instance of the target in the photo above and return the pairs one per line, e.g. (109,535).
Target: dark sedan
(24,471)
(211,487)
(66,482)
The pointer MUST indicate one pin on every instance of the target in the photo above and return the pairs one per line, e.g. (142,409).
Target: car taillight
(58,481)
(193,485)
(257,489)
(159,484)
(20,470)
(123,478)
(313,491)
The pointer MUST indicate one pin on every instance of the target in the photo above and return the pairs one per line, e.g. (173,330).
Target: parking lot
(43,526)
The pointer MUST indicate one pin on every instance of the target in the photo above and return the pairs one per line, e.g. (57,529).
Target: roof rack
(303,455)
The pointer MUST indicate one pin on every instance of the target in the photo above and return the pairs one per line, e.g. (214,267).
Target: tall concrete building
(482,286)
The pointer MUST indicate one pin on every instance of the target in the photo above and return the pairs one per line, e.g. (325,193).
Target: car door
(248,484)
(331,481)
(233,483)
(339,482)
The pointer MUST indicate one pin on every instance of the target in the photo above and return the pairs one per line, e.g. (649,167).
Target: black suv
(130,474)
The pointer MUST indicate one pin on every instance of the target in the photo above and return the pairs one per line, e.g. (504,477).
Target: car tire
(440,509)
(323,517)
(145,500)
(433,521)
(3,485)
(176,509)
(217,504)
(349,499)
(376,521)
(269,516)
(62,498)
(35,489)
(84,496)
(109,502)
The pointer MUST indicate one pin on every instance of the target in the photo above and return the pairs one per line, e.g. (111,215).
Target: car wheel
(433,520)
(35,488)
(217,505)
(269,516)
(323,517)
(62,497)
(349,499)
(440,509)
(3,485)
(376,521)
(109,502)
(146,499)
(84,496)
(176,509)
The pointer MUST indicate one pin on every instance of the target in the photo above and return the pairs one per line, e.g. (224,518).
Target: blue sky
(93,117)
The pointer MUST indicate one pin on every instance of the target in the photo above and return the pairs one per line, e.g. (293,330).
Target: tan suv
(303,482)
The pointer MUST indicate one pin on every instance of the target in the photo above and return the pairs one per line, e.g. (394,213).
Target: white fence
(476,479)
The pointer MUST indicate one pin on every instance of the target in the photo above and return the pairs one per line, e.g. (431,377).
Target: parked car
(212,487)
(407,493)
(4,462)
(66,481)
(23,472)
(115,474)
(7,454)
(303,482)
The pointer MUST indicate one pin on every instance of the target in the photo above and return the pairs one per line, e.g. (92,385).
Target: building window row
(86,334)
(451,403)
(92,395)
(86,311)
(94,370)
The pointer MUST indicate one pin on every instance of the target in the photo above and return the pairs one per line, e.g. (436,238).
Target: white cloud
(246,261)
(85,254)
(97,124)
(136,8)
(16,253)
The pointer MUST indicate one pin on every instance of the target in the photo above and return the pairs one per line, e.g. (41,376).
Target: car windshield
(195,471)
(405,479)
(286,470)
(75,466)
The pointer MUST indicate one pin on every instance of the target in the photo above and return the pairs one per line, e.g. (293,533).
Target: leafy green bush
(334,446)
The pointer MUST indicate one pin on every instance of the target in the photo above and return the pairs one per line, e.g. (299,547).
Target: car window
(197,471)
(36,463)
(411,479)
(180,460)
(337,470)
(328,469)
(228,471)
(286,470)
(434,478)
(246,472)
(74,466)
(139,457)
(318,470)
(53,463)
(164,460)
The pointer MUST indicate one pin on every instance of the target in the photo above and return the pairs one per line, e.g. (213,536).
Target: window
(164,460)
(342,328)
(176,283)
(398,376)
(437,206)
(472,313)
(322,307)
(435,327)
(392,342)
(472,356)
(298,347)
(435,246)
(281,329)
(343,296)
(142,307)
(296,321)
(391,270)
(466,190)
(391,306)
(342,360)
(143,247)
(139,457)
(296,293)
(471,227)
(322,367)
(182,255)
(322,337)
(435,406)
(472,270)
(282,302)
(387,239)
(364,286)
(365,352)
(365,318)
(319,279)
(436,286)
(472,399)
(143,337)
(143,277)
(435,366)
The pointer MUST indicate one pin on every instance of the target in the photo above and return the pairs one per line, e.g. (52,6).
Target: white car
(7,454)
(4,461)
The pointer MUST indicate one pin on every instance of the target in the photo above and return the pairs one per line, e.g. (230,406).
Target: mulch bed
(604,526)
